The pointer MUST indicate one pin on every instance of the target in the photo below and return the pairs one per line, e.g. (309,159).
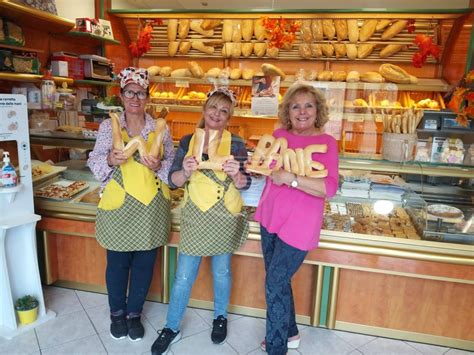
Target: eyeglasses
(130,94)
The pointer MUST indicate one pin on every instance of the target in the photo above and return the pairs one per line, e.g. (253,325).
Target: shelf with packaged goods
(87,82)
(19,48)
(92,37)
(30,17)
(36,78)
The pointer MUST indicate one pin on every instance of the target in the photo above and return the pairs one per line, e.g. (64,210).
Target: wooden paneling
(396,302)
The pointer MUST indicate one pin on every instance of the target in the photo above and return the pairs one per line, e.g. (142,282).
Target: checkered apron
(134,226)
(214,232)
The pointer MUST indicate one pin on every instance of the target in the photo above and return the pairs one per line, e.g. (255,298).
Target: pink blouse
(295,216)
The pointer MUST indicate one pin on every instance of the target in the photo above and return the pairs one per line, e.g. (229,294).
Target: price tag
(182,83)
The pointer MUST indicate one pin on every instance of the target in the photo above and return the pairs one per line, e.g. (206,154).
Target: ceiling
(286,4)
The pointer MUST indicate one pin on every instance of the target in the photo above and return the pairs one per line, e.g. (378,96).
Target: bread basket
(399,147)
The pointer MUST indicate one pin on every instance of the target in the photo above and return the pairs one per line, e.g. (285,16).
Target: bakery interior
(396,257)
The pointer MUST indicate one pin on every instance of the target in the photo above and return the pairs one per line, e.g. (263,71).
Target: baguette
(316,50)
(173,48)
(353,30)
(391,49)
(236,31)
(317,30)
(396,74)
(394,29)
(353,76)
(328,49)
(183,28)
(172,29)
(325,75)
(305,31)
(329,29)
(195,25)
(272,52)
(351,51)
(247,30)
(117,140)
(210,24)
(273,70)
(372,77)
(247,49)
(382,24)
(184,47)
(340,49)
(304,50)
(200,46)
(259,30)
(341,29)
(259,49)
(339,76)
(367,30)
(134,144)
(364,50)
(227,29)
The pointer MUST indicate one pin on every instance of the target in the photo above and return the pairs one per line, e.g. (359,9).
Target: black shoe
(164,340)
(219,330)
(118,327)
(135,329)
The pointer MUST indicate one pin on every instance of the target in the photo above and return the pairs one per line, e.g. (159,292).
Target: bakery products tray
(61,190)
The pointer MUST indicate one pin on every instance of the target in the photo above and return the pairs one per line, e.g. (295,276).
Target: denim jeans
(281,263)
(136,266)
(186,273)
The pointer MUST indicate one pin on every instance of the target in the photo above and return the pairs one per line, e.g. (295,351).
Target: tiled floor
(82,327)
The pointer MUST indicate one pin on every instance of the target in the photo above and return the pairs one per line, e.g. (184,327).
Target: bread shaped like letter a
(215,161)
(117,141)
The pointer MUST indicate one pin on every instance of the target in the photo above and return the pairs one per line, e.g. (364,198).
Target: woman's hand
(116,157)
(151,162)
(282,177)
(190,165)
(231,167)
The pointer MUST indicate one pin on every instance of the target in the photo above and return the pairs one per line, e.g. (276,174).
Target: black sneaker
(135,329)
(219,330)
(164,340)
(118,327)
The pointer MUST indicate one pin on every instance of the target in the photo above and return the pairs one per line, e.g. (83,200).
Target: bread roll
(154,70)
(227,29)
(394,29)
(372,77)
(236,50)
(367,30)
(317,29)
(195,25)
(390,49)
(247,30)
(259,30)
(353,76)
(210,24)
(235,73)
(311,75)
(227,49)
(325,75)
(183,28)
(351,51)
(259,49)
(172,29)
(247,49)
(304,50)
(195,69)
(272,52)
(165,71)
(395,74)
(184,47)
(316,50)
(305,30)
(225,73)
(236,30)
(364,50)
(340,49)
(273,70)
(213,73)
(247,74)
(328,49)
(329,29)
(200,46)
(179,73)
(381,24)
(353,30)
(173,48)
(341,29)
(339,75)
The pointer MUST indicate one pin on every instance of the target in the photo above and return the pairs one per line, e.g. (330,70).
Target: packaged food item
(8,177)
(6,60)
(452,151)
(12,34)
(48,92)
(25,62)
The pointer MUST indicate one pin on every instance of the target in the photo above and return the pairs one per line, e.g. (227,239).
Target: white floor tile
(154,309)
(355,352)
(92,299)
(387,347)
(63,302)
(317,341)
(201,344)
(458,352)
(87,345)
(354,339)
(53,290)
(208,315)
(192,323)
(427,348)
(100,317)
(25,343)
(246,334)
(64,329)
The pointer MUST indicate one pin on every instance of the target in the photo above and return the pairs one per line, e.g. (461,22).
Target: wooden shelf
(36,78)
(93,37)
(23,49)
(94,82)
(30,17)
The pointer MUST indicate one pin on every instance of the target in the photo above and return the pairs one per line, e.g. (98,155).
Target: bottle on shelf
(48,91)
(8,176)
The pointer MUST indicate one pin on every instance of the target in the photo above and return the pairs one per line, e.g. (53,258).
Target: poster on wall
(265,91)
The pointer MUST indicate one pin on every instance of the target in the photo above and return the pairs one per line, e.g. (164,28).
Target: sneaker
(135,329)
(293,343)
(164,340)
(118,327)
(219,330)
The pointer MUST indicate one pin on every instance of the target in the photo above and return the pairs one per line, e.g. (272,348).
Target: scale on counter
(443,120)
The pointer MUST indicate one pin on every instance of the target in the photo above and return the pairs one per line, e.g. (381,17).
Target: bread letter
(160,129)
(317,30)
(247,30)
(367,30)
(394,29)
(341,29)
(117,141)
(172,29)
(353,30)
(134,144)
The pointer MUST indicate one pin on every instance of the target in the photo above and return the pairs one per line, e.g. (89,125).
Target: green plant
(26,303)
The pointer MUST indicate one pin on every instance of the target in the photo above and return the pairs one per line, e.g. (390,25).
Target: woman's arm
(241,178)
(97,161)
(168,157)
(177,176)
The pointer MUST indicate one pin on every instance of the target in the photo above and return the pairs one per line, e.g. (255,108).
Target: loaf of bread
(372,77)
(316,50)
(200,46)
(247,30)
(195,69)
(154,70)
(364,50)
(328,49)
(236,30)
(351,51)
(325,75)
(390,49)
(395,74)
(225,73)
(394,29)
(329,29)
(259,30)
(367,30)
(172,29)
(184,47)
(235,73)
(247,49)
(179,73)
(353,30)
(341,29)
(353,76)
(210,24)
(317,29)
(227,29)
(273,70)
(236,50)
(360,103)
(259,49)
(272,52)
(173,48)
(183,28)
(213,73)
(195,25)
(381,24)
(340,49)
(165,71)
(247,74)
(227,49)
(339,76)
(305,30)
(304,50)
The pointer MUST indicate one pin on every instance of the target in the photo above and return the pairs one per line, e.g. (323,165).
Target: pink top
(295,216)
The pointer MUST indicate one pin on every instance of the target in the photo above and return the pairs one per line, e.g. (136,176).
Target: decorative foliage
(26,303)
(426,47)
(282,32)
(142,45)
(462,100)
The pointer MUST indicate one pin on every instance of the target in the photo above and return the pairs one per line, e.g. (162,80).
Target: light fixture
(383,206)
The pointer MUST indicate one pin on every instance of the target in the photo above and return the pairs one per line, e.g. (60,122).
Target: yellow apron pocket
(233,201)
(113,196)
(166,191)
(139,181)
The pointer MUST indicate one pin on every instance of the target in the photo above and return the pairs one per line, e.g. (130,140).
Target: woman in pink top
(291,209)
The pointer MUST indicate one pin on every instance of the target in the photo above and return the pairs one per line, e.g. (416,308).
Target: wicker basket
(398,147)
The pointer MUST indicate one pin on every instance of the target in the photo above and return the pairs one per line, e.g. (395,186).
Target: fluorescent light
(383,206)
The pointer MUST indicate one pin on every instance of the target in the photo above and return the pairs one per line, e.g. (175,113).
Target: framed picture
(106,29)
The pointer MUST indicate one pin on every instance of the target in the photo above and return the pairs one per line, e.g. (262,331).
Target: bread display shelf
(32,78)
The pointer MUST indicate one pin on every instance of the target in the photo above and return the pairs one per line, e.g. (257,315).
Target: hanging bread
(227,29)
(353,30)
(325,75)
(173,48)
(200,46)
(154,70)
(305,31)
(272,52)
(372,77)
(316,50)
(165,71)
(341,29)
(184,47)
(340,49)
(235,73)
(273,70)
(247,30)
(328,49)
(172,29)
(339,76)
(390,49)
(364,50)
(195,25)
(395,74)
(213,73)
(367,30)
(353,76)
(317,30)
(351,51)
(247,74)
(227,49)
(304,50)
(180,73)
(259,30)
(247,49)
(259,49)
(183,28)
(381,24)
(394,29)
(329,29)
(210,24)
(195,69)
(236,50)
(236,30)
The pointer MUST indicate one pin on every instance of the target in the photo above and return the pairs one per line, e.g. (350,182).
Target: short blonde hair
(321,106)
(216,99)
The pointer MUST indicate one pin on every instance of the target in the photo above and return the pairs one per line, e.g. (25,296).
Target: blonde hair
(214,100)
(296,89)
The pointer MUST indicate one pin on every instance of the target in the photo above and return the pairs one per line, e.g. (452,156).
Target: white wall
(72,9)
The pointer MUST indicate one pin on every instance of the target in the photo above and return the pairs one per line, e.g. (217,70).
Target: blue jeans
(281,263)
(186,273)
(132,269)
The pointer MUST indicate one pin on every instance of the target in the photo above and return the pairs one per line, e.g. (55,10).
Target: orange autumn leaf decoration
(426,47)
(462,100)
(142,45)
(282,32)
